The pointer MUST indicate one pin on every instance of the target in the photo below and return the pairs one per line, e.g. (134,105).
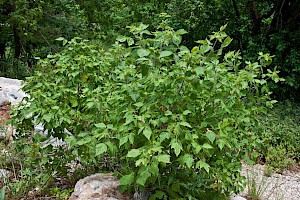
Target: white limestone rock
(10,90)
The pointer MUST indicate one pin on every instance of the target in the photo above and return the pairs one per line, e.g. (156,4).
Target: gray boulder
(98,187)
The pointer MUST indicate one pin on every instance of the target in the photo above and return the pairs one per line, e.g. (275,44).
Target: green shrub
(166,119)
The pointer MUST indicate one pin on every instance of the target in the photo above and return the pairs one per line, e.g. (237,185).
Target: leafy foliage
(170,120)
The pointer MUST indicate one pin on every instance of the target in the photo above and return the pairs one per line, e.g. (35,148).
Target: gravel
(285,186)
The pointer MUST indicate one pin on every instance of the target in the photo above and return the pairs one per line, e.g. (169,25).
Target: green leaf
(90,104)
(84,141)
(48,117)
(181,32)
(226,42)
(176,39)
(223,27)
(123,140)
(131,138)
(142,59)
(147,133)
(187,159)
(185,124)
(100,149)
(200,164)
(220,51)
(121,38)
(100,125)
(221,143)
(186,112)
(176,146)
(142,161)
(246,119)
(82,134)
(133,153)
(130,41)
(74,103)
(164,136)
(163,158)
(143,176)
(134,96)
(112,147)
(60,39)
(55,107)
(165,54)
(200,71)
(65,42)
(71,140)
(196,146)
(164,119)
(207,146)
(139,104)
(129,119)
(158,195)
(100,134)
(168,112)
(127,179)
(211,136)
(143,52)
(203,124)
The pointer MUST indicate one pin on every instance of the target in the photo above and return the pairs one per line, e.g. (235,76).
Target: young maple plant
(171,121)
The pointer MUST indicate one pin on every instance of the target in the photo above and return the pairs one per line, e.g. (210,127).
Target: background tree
(30,27)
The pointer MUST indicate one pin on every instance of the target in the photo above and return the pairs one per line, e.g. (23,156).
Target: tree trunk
(17,40)
(255,17)
(2,50)
(238,35)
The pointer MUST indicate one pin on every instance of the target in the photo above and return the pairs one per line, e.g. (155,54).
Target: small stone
(4,173)
(237,198)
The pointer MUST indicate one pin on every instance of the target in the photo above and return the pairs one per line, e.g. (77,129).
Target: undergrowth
(279,130)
